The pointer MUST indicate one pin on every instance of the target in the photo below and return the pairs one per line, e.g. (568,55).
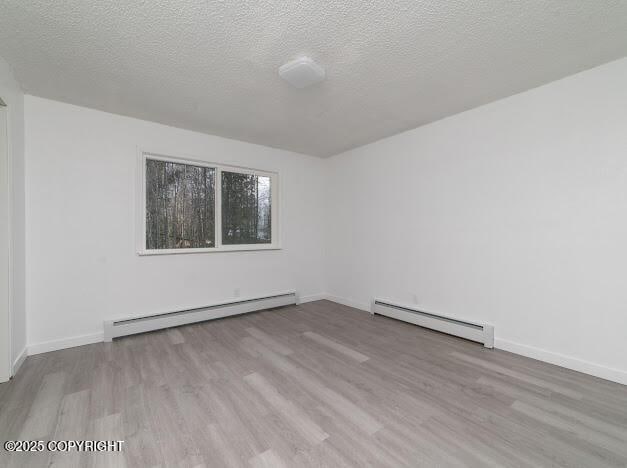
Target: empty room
(313,234)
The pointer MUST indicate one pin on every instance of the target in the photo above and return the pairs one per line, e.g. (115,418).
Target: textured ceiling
(211,66)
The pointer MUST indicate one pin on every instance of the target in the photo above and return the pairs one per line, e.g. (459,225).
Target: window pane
(246,209)
(180,206)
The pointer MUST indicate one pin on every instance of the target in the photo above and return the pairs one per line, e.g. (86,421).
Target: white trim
(451,325)
(9,227)
(217,209)
(63,343)
(349,303)
(230,248)
(140,204)
(131,325)
(81,340)
(185,308)
(579,365)
(275,202)
(597,370)
(21,357)
(11,201)
(312,298)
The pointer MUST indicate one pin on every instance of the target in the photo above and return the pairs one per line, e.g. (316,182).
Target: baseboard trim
(586,367)
(312,298)
(348,302)
(81,340)
(55,345)
(19,360)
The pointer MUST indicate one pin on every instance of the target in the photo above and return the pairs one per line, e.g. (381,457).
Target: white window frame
(219,247)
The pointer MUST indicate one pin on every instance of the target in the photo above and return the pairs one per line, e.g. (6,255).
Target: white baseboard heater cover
(141,324)
(480,332)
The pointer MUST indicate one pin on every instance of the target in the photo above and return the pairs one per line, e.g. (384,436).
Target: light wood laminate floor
(318,384)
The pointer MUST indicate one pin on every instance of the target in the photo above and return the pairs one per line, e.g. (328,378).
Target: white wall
(82,267)
(12,95)
(514,213)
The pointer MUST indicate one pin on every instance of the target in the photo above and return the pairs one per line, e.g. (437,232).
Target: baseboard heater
(480,332)
(146,323)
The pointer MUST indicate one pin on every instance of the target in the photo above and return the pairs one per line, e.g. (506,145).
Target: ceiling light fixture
(302,72)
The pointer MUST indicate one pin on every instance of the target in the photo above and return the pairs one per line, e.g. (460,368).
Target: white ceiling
(211,65)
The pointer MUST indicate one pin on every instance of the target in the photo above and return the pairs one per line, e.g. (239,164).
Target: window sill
(224,248)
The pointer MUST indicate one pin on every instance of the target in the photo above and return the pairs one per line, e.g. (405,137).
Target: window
(246,209)
(191,206)
(180,205)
